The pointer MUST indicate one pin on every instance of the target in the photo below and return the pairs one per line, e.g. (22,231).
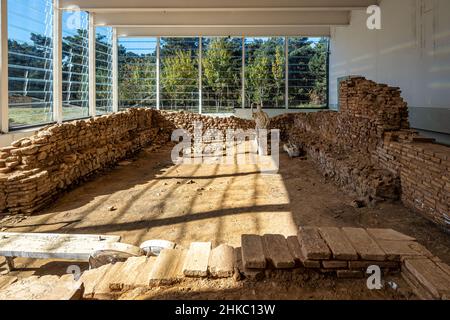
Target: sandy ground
(155,199)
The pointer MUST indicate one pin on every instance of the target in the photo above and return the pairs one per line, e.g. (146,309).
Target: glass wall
(221,74)
(104,64)
(75,65)
(179,74)
(137,72)
(308,60)
(30,62)
(265,72)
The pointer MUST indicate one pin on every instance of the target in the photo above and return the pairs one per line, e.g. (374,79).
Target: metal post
(4,103)
(57,62)
(115,71)
(200,72)
(243,73)
(158,73)
(286,72)
(92,66)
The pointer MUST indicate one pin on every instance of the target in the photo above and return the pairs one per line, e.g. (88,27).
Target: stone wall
(34,170)
(368,148)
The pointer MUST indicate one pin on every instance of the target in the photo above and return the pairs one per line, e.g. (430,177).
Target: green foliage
(179,77)
(219,76)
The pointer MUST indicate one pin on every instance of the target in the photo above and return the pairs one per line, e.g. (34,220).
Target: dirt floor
(150,198)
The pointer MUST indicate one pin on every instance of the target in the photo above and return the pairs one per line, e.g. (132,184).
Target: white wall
(411,51)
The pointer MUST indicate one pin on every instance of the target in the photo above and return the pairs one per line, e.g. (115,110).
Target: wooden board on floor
(221,262)
(312,245)
(253,252)
(340,246)
(168,267)
(395,250)
(51,246)
(197,258)
(277,251)
(365,246)
(294,249)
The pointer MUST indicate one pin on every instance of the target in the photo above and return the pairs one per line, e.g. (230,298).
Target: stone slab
(388,234)
(221,262)
(340,246)
(277,251)
(102,290)
(197,258)
(349,274)
(6,281)
(91,278)
(168,267)
(249,274)
(253,256)
(365,246)
(395,249)
(125,278)
(312,244)
(418,289)
(294,249)
(428,274)
(334,264)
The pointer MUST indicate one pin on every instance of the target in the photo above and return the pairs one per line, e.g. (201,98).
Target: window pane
(75,65)
(30,61)
(137,72)
(179,74)
(265,72)
(104,79)
(308,61)
(222,79)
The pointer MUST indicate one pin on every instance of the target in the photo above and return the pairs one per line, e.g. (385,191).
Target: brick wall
(368,148)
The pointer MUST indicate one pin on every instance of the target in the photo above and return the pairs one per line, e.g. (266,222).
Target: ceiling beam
(237,19)
(235,31)
(231,5)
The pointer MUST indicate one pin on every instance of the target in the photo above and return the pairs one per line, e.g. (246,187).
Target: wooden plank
(312,244)
(388,234)
(429,275)
(340,246)
(6,281)
(365,264)
(277,251)
(253,252)
(364,245)
(349,274)
(43,288)
(168,267)
(102,290)
(91,278)
(221,262)
(51,246)
(126,276)
(197,258)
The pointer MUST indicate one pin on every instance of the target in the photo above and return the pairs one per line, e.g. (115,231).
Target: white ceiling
(220,17)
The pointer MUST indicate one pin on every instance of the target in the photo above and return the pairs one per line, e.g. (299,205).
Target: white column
(200,75)
(92,66)
(4,103)
(57,62)
(243,73)
(115,71)
(286,72)
(158,73)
